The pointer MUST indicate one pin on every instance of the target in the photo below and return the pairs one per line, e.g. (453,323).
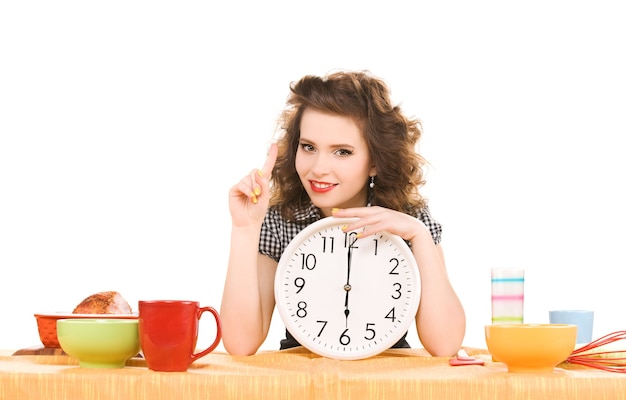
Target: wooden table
(298,374)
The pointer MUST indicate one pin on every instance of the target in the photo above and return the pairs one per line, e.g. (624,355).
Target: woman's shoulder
(434,226)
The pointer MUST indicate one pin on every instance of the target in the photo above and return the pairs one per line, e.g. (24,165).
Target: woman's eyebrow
(333,145)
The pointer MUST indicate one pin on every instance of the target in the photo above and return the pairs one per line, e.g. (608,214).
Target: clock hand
(347,286)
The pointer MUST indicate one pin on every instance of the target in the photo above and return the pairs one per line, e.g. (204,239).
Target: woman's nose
(321,165)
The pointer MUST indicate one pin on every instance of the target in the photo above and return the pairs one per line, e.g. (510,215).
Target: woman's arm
(248,297)
(440,319)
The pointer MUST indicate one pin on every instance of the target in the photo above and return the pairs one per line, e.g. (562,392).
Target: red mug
(168,333)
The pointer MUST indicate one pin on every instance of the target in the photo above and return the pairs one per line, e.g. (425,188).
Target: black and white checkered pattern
(276,232)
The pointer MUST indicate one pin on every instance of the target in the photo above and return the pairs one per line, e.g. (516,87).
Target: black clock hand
(347,286)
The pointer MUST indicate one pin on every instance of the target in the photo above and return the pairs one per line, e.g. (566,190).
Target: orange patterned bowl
(47,324)
(530,347)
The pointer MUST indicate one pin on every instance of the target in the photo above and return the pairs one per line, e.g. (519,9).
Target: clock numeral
(348,240)
(397,294)
(375,246)
(308,261)
(301,312)
(299,283)
(344,339)
(323,326)
(394,265)
(369,328)
(331,244)
(391,314)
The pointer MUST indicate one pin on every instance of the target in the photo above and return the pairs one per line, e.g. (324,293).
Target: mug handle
(218,335)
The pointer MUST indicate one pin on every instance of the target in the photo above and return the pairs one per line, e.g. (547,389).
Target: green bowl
(99,343)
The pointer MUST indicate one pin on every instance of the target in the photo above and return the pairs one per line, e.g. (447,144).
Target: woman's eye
(307,147)
(343,152)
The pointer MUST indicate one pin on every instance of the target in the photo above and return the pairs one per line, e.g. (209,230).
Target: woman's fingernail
(254,199)
(257,191)
(334,210)
(259,172)
(344,227)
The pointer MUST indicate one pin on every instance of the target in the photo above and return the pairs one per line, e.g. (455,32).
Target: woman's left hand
(377,219)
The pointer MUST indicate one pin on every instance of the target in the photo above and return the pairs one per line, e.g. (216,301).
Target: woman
(344,150)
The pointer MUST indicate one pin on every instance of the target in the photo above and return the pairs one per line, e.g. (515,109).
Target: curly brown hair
(391,138)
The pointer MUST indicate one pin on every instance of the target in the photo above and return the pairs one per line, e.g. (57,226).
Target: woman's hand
(377,219)
(249,199)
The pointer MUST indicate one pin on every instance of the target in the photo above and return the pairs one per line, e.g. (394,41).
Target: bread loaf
(103,303)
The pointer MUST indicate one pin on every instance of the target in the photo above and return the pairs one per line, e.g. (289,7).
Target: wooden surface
(299,374)
(40,351)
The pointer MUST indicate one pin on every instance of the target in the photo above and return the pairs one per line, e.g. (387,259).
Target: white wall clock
(345,297)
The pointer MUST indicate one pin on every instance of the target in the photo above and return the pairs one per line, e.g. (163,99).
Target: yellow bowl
(99,343)
(530,347)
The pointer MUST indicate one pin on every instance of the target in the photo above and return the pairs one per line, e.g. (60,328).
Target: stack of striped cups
(507,295)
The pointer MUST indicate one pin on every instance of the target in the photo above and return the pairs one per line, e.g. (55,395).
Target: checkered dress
(276,233)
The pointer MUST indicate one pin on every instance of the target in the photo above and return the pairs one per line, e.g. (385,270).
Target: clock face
(345,297)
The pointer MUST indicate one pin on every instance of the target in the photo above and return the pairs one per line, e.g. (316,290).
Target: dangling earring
(370,193)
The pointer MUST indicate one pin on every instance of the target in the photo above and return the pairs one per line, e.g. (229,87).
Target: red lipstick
(321,187)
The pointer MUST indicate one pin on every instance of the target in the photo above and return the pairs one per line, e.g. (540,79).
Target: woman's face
(333,161)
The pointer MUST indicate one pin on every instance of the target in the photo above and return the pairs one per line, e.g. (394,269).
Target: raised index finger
(270,161)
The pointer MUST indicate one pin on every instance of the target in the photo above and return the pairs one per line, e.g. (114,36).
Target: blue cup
(583,319)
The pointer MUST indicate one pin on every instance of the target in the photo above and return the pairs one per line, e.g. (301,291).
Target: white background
(123,124)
